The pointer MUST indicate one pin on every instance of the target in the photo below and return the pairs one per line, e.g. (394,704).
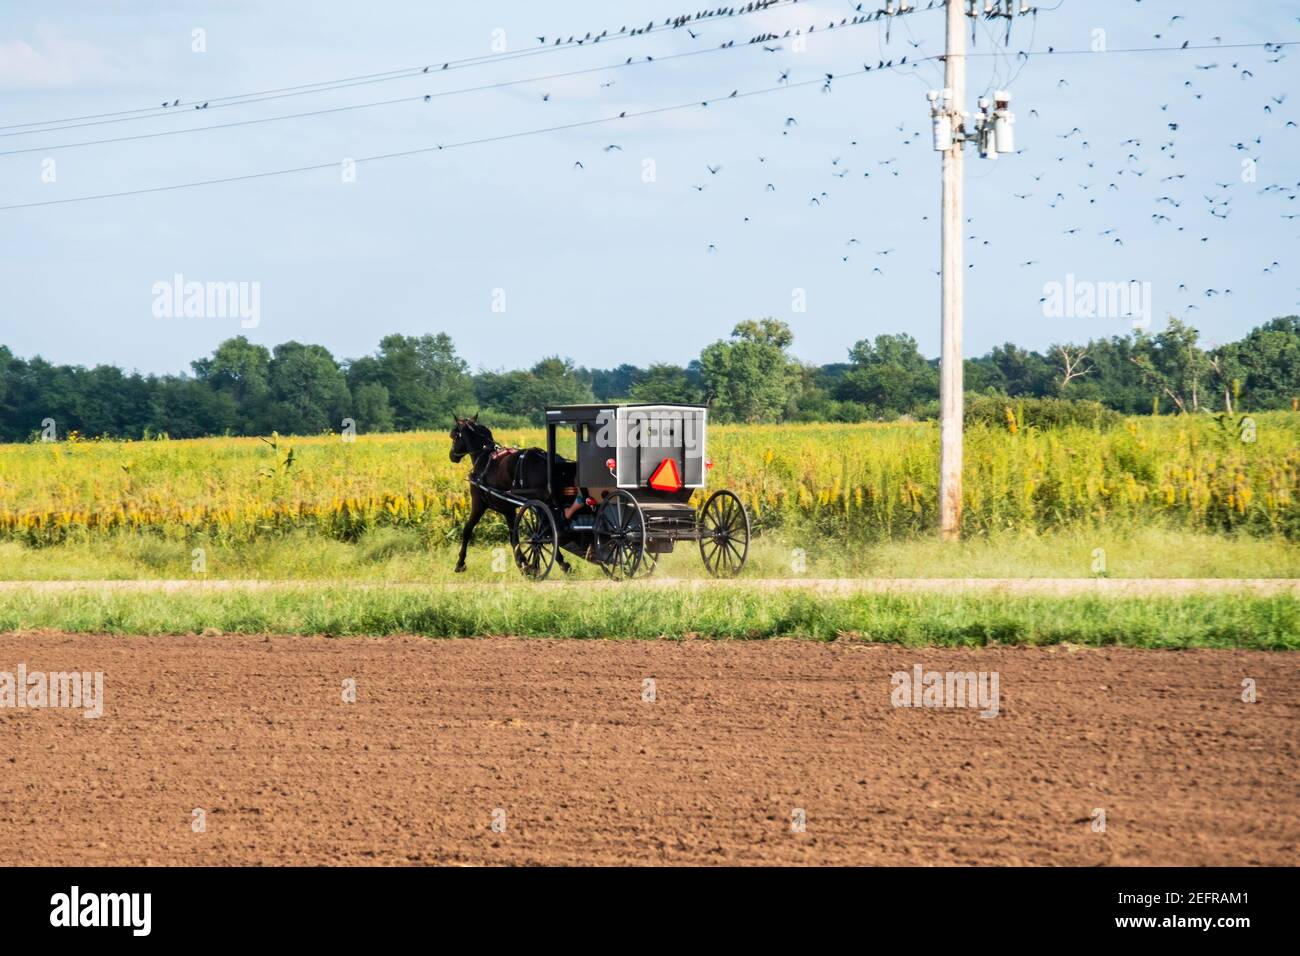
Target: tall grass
(846,483)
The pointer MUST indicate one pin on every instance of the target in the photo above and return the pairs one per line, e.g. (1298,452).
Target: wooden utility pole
(951,399)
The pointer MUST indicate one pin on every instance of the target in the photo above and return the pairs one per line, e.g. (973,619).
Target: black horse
(503,469)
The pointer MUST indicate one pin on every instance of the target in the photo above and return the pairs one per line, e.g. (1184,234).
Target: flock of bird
(1066,180)
(1071,177)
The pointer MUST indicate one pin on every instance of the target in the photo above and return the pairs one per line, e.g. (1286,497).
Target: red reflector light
(708,464)
(665,477)
(591,502)
(611,464)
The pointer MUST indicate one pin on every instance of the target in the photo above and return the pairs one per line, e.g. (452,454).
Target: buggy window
(565,444)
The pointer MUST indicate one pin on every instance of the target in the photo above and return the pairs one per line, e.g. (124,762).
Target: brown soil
(255,732)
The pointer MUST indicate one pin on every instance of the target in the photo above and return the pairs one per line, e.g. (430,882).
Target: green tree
(664,383)
(427,381)
(557,382)
(508,393)
(1266,363)
(183,407)
(752,376)
(110,402)
(816,401)
(982,376)
(418,382)
(890,376)
(1116,381)
(37,390)
(309,393)
(608,384)
(1023,371)
(241,371)
(525,394)
(1173,363)
(371,408)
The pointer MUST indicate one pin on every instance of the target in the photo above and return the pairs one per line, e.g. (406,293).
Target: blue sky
(596,263)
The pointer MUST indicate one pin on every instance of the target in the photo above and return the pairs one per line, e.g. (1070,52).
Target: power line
(424,97)
(239,99)
(735,95)
(502,137)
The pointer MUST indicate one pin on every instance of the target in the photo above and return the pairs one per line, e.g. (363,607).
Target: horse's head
(468,437)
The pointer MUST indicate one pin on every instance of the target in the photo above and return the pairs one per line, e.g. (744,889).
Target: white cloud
(52,61)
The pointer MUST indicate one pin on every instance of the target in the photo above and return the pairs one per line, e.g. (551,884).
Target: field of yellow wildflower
(854,483)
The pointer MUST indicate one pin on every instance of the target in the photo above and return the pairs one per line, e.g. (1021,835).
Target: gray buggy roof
(582,413)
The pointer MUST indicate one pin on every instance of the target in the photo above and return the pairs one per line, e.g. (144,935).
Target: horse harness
(495,453)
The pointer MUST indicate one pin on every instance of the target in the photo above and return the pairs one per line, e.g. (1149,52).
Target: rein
(485,457)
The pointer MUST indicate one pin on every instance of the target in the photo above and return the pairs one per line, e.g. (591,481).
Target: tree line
(419,382)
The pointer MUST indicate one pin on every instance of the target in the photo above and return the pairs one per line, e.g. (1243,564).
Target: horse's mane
(482,431)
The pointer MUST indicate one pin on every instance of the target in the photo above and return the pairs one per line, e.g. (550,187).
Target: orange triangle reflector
(665,477)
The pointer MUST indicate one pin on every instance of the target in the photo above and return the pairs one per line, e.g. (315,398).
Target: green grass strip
(1223,621)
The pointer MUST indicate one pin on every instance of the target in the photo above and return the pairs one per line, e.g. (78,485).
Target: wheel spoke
(534,541)
(723,534)
(618,536)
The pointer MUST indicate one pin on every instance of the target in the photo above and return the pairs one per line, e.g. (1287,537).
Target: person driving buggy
(587,497)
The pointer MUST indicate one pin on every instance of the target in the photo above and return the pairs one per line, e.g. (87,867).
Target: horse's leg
(478,506)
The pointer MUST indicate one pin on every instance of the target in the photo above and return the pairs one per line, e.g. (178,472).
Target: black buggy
(636,469)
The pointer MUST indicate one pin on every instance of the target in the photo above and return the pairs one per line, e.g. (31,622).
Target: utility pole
(992,131)
(951,398)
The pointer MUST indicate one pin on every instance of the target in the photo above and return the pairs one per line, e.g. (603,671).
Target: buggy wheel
(724,534)
(535,540)
(619,536)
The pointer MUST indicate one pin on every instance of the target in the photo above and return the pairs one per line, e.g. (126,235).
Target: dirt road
(1060,587)
(556,743)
